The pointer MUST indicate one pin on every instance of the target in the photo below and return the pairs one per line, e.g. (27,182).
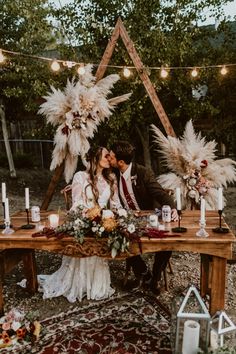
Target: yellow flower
(37,329)
(109,224)
(93,212)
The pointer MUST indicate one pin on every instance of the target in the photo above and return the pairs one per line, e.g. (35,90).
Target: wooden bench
(9,259)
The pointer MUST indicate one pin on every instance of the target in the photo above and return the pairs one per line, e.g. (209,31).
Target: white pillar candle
(214,340)
(220,199)
(53,220)
(153,220)
(203,207)
(178,199)
(191,337)
(6,206)
(26,198)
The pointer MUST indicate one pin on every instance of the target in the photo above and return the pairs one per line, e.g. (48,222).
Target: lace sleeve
(115,200)
(77,189)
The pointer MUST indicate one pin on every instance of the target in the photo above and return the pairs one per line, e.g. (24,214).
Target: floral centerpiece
(16,328)
(119,227)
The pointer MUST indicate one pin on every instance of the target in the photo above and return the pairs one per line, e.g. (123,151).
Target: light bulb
(194,72)
(223,70)
(81,70)
(164,73)
(126,72)
(55,66)
(2,57)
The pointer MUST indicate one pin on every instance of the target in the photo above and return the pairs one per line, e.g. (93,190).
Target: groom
(138,189)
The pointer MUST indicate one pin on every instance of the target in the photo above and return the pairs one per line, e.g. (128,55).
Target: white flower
(192,194)
(122,212)
(78,222)
(94,229)
(192,181)
(107,214)
(131,228)
(15,325)
(101,229)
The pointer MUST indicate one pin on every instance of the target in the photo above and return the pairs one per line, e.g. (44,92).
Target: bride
(90,277)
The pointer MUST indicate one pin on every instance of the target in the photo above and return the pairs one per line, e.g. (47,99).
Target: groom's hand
(174,215)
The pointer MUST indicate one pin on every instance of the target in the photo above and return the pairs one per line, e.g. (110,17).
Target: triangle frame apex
(222,317)
(205,314)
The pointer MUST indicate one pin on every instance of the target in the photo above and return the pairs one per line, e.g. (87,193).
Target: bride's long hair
(93,158)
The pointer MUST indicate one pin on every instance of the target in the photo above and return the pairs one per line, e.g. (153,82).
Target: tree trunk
(6,141)
(144,137)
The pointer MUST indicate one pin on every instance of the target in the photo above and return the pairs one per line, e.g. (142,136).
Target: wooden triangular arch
(119,31)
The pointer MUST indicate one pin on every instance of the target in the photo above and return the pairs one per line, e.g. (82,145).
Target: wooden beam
(52,186)
(119,31)
(145,78)
(108,52)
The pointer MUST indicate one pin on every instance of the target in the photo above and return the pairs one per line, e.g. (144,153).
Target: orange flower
(37,329)
(93,212)
(109,224)
(21,332)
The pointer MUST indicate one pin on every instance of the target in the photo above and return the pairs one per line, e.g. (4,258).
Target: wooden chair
(9,259)
(67,196)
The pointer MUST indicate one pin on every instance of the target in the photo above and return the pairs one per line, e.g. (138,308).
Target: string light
(55,66)
(2,57)
(81,70)
(164,73)
(194,72)
(126,72)
(223,70)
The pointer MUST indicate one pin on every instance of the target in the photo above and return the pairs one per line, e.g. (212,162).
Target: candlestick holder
(202,232)
(8,230)
(28,225)
(2,226)
(179,228)
(220,229)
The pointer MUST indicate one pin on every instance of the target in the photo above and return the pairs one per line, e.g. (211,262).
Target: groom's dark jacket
(148,192)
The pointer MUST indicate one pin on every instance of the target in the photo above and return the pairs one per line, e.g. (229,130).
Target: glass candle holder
(53,220)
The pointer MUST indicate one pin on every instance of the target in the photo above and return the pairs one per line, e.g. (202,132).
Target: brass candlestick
(220,229)
(179,228)
(28,225)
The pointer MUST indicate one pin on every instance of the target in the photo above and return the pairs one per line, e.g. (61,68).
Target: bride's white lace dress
(79,277)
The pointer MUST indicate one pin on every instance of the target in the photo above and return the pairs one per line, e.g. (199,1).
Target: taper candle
(26,198)
(203,207)
(3,192)
(220,198)
(6,206)
(178,199)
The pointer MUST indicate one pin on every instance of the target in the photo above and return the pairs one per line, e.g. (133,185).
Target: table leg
(30,271)
(218,279)
(204,277)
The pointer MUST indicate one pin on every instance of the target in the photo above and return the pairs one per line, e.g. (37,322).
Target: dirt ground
(185,265)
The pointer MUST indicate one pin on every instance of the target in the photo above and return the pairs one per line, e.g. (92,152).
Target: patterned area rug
(127,323)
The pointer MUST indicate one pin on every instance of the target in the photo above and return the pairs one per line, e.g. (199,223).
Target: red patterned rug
(128,323)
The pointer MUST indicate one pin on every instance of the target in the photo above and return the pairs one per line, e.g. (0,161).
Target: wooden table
(214,250)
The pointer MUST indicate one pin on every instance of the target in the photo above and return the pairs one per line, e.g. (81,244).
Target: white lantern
(193,324)
(220,325)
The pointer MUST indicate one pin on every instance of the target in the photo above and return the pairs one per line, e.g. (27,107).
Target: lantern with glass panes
(193,324)
(220,325)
